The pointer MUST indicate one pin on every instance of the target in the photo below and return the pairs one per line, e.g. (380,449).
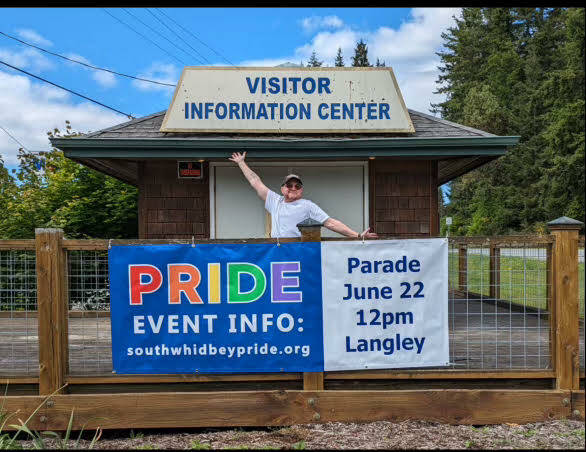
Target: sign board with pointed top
(287,100)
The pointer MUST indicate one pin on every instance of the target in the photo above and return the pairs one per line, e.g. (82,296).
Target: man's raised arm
(251,176)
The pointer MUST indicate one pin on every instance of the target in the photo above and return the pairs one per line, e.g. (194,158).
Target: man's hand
(237,157)
(369,235)
(251,176)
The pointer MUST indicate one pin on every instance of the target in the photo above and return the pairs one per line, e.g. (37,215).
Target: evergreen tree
(313,61)
(517,71)
(339,62)
(360,58)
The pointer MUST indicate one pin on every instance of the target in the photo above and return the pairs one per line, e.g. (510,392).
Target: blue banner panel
(216,308)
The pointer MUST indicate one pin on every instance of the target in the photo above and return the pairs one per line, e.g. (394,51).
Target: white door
(340,189)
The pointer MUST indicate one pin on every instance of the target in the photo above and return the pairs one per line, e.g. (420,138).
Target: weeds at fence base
(9,441)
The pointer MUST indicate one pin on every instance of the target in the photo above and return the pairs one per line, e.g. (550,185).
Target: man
(290,209)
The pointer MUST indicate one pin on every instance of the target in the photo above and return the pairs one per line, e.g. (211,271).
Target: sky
(140,42)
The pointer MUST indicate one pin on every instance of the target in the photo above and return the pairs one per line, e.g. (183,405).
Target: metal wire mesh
(19,347)
(90,349)
(498,315)
(581,292)
(498,312)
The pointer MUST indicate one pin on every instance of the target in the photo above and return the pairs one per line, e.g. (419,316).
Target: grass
(196,444)
(523,281)
(8,441)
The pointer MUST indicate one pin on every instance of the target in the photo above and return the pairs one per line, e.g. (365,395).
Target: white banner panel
(385,304)
(289,100)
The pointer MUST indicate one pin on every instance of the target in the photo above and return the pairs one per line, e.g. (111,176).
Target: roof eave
(149,145)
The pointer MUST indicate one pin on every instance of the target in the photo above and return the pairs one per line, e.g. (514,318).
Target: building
(386,180)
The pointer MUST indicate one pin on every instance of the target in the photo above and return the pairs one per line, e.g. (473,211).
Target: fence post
(566,301)
(462,268)
(52,309)
(311,232)
(495,272)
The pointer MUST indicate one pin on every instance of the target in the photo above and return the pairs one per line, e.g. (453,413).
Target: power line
(84,64)
(219,54)
(21,145)
(162,36)
(66,89)
(143,36)
(8,133)
(156,32)
(178,35)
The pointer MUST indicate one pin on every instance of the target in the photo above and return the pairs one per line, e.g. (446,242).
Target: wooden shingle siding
(169,207)
(404,197)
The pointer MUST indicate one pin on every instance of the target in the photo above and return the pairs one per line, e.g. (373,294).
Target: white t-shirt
(285,216)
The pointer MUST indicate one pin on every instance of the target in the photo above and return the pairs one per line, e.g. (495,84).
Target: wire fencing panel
(19,343)
(581,292)
(90,349)
(499,314)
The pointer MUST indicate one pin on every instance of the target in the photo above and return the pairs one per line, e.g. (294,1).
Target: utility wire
(143,36)
(160,35)
(66,89)
(8,133)
(219,54)
(21,145)
(156,32)
(84,64)
(178,35)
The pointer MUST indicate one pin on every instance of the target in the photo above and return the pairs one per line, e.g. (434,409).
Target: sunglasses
(290,185)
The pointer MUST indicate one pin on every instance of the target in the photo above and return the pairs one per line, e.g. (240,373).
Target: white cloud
(313,23)
(28,59)
(104,79)
(33,37)
(28,110)
(158,72)
(409,49)
(326,45)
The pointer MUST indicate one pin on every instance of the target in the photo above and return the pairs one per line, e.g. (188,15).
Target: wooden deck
(483,335)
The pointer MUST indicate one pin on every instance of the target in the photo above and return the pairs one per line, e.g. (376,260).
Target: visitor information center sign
(293,307)
(290,100)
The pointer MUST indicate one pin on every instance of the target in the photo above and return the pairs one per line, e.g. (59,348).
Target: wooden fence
(470,396)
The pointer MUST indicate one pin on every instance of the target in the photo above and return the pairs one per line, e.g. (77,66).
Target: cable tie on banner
(192,241)
(109,243)
(363,235)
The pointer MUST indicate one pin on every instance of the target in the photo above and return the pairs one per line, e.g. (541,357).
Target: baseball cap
(291,176)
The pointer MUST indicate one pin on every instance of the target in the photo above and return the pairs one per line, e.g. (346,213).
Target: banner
(385,304)
(297,307)
(216,308)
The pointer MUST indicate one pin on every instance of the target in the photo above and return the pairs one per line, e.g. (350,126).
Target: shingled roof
(118,149)
(426,126)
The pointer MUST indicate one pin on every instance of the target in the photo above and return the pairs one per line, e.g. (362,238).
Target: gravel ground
(562,434)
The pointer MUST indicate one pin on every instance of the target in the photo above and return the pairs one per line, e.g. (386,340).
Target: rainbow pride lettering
(184,279)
